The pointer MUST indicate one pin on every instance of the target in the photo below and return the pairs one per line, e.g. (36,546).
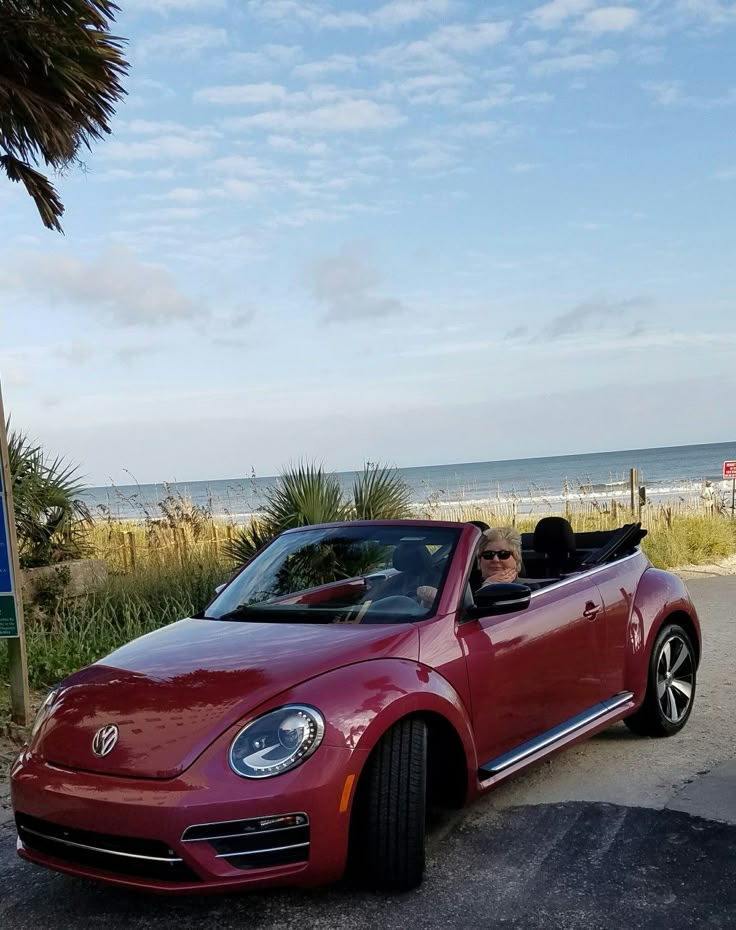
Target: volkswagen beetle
(304,722)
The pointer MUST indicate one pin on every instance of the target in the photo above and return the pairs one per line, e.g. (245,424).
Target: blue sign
(6,579)
(8,608)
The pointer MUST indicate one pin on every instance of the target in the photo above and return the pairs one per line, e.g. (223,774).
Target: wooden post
(634,483)
(215,539)
(20,700)
(130,537)
(121,537)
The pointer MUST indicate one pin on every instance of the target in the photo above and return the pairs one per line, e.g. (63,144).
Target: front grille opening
(121,855)
(257,843)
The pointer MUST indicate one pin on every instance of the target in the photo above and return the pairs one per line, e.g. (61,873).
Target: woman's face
(496,568)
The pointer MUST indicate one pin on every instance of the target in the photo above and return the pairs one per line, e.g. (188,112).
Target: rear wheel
(387,841)
(670,685)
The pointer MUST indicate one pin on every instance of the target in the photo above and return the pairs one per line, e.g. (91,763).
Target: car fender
(361,702)
(659,594)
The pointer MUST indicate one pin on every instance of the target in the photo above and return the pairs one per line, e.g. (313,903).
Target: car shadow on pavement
(568,866)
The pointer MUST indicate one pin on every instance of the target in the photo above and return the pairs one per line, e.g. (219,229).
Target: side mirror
(501,598)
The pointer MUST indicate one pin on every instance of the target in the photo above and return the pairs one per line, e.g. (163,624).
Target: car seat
(414,568)
(554,540)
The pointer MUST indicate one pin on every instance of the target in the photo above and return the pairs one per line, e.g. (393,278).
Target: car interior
(553,550)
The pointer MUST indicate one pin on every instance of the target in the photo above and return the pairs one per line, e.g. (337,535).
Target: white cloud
(553,14)
(525,167)
(504,95)
(346,284)
(183,41)
(483,129)
(162,147)
(420,55)
(670,94)
(269,57)
(437,161)
(356,115)
(116,286)
(142,127)
(470,38)
(347,19)
(402,12)
(391,15)
(286,11)
(665,93)
(725,174)
(127,174)
(302,146)
(241,190)
(712,12)
(248,168)
(437,89)
(608,19)
(582,61)
(164,7)
(242,94)
(184,195)
(335,64)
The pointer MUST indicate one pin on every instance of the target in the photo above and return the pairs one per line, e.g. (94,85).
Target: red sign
(729,469)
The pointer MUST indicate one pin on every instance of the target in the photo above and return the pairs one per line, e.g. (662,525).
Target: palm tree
(50,519)
(306,494)
(60,72)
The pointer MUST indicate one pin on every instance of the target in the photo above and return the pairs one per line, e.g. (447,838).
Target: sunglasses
(503,554)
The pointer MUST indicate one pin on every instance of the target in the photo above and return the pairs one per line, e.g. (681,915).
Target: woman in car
(499,555)
(498,559)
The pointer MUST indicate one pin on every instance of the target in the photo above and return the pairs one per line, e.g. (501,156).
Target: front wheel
(389,820)
(670,685)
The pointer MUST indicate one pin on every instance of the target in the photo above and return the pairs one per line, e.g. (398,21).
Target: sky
(413,232)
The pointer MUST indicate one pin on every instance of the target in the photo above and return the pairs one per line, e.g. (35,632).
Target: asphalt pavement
(618,832)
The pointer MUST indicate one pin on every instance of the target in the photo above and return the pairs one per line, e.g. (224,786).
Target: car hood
(172,692)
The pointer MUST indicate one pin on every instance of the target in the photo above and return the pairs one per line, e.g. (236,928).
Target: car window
(356,574)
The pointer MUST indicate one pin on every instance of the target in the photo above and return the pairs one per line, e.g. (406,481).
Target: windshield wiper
(274,615)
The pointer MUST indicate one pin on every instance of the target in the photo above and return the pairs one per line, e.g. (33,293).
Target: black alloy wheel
(670,685)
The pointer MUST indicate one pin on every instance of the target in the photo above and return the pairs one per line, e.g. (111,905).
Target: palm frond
(49,516)
(379,493)
(60,79)
(247,541)
(304,495)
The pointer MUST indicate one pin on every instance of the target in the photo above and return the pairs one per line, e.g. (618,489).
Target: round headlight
(276,742)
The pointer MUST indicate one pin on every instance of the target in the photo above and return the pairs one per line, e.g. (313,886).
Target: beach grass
(162,572)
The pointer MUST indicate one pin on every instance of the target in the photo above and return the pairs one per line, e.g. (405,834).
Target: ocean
(671,473)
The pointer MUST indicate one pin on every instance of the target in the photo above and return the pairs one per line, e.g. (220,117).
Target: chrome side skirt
(555,735)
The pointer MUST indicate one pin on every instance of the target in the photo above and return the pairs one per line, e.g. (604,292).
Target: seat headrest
(412,558)
(554,536)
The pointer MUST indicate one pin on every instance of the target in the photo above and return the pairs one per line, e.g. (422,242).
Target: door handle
(591,610)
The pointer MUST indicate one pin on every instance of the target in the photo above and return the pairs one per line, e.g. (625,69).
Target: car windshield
(357,574)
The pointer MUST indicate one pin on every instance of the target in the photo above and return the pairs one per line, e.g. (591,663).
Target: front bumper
(138,832)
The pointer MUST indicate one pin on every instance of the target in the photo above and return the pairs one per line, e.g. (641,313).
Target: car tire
(671,685)
(389,824)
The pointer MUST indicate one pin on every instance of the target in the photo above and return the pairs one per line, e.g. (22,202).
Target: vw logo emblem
(104,740)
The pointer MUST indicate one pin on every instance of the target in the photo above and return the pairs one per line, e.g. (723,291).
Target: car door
(533,669)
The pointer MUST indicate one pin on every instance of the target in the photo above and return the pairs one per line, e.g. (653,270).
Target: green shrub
(73,632)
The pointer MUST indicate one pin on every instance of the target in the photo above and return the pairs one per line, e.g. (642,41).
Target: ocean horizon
(668,472)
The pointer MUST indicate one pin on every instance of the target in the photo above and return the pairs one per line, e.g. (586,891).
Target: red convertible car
(308,718)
